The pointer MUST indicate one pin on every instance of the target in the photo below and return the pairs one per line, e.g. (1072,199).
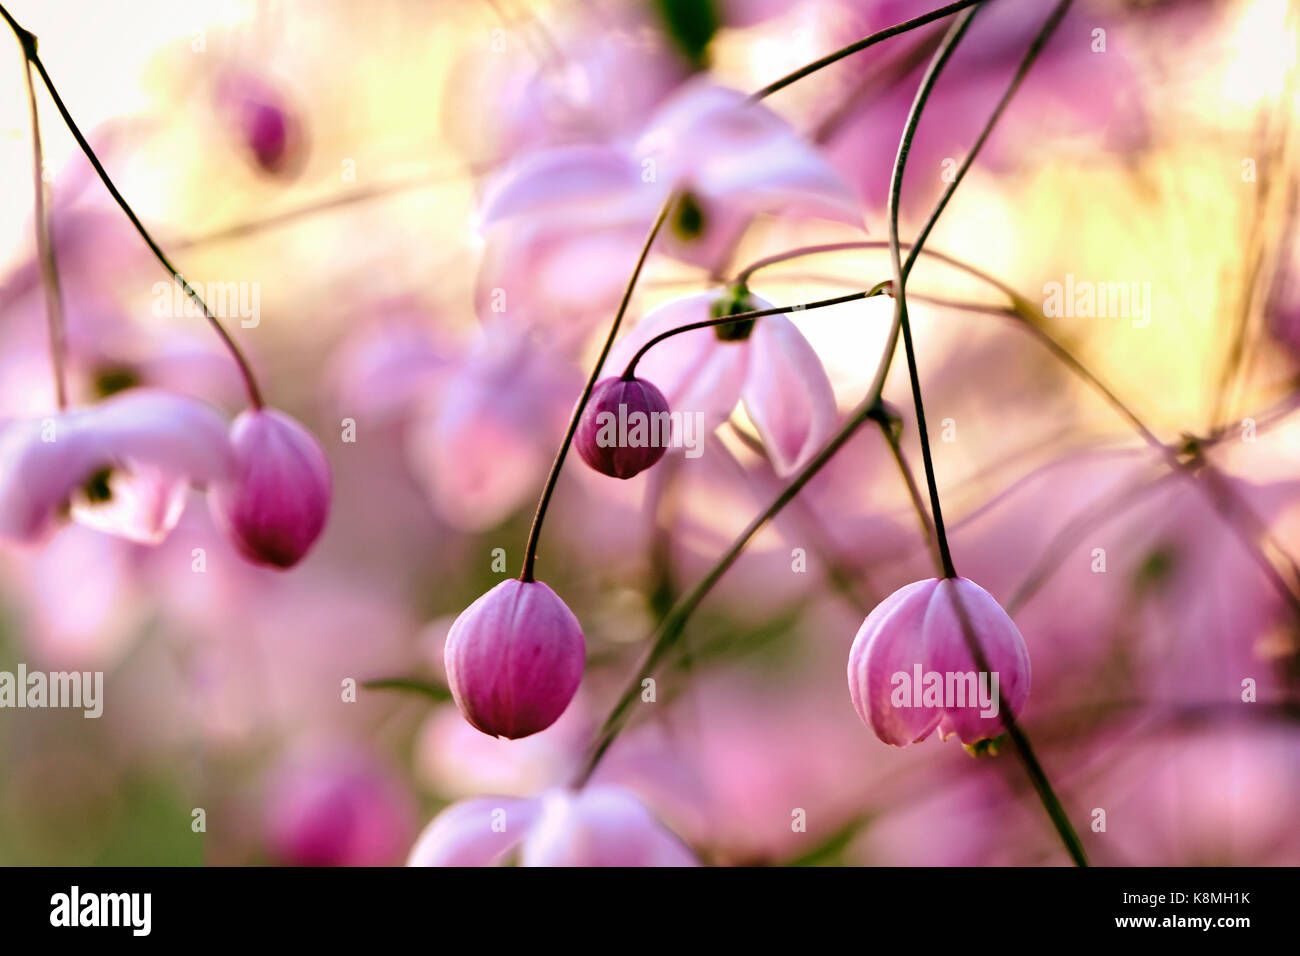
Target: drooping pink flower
(514,659)
(624,428)
(596,826)
(766,363)
(122,466)
(482,441)
(911,668)
(274,505)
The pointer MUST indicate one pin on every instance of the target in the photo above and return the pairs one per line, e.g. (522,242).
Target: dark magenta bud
(625,427)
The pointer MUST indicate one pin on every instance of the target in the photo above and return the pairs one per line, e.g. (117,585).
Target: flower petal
(475,832)
(695,371)
(787,394)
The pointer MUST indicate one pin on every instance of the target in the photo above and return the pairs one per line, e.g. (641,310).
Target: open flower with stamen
(911,668)
(764,362)
(122,466)
(588,207)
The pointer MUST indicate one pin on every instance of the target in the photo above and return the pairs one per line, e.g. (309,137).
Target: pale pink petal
(711,140)
(144,505)
(170,439)
(601,826)
(787,394)
(555,182)
(889,644)
(696,372)
(947,652)
(477,832)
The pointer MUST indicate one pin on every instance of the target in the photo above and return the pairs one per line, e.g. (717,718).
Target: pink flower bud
(911,669)
(625,427)
(514,659)
(275,506)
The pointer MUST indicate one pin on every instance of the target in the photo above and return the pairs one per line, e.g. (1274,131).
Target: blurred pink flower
(482,441)
(337,809)
(595,826)
(123,466)
(730,160)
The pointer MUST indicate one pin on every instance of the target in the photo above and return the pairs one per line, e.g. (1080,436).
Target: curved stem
(28,41)
(58,342)
(530,550)
(630,371)
(955,33)
(860,45)
(888,428)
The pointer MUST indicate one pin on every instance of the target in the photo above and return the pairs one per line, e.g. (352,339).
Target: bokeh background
(1165,157)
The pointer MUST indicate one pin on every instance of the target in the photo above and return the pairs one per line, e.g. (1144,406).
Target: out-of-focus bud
(262,120)
(274,507)
(911,668)
(514,659)
(625,427)
(337,811)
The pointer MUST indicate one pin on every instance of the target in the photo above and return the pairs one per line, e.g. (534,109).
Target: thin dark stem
(45,249)
(888,428)
(860,45)
(1034,769)
(674,622)
(534,533)
(28,41)
(630,371)
(955,33)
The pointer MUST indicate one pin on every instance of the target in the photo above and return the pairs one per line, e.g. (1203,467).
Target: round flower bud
(625,427)
(514,659)
(274,507)
(911,668)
